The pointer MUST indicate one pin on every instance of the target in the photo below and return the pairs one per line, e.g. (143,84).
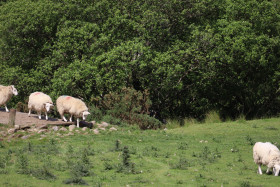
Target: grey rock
(72,127)
(11,131)
(113,129)
(62,129)
(42,131)
(55,128)
(25,137)
(96,131)
(104,124)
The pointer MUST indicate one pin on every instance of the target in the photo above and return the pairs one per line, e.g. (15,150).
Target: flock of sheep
(263,153)
(41,102)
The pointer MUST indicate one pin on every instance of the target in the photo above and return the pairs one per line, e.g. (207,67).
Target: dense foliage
(192,56)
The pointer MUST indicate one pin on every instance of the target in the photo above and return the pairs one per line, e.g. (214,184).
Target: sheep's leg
(46,115)
(78,125)
(29,113)
(70,119)
(268,170)
(62,116)
(64,119)
(7,110)
(260,169)
(274,170)
(39,115)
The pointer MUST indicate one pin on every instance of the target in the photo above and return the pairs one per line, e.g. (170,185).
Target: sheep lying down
(73,106)
(6,92)
(39,102)
(267,154)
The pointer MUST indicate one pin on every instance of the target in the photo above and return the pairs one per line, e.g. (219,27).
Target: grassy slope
(162,158)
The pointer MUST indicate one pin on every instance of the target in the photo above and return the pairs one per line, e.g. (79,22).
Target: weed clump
(182,164)
(208,155)
(250,140)
(43,173)
(127,166)
(23,164)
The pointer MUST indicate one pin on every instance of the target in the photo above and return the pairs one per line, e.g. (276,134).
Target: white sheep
(73,106)
(267,154)
(6,92)
(39,102)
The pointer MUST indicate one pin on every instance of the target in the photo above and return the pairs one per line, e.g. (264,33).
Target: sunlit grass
(197,154)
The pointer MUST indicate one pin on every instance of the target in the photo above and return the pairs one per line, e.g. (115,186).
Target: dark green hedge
(192,56)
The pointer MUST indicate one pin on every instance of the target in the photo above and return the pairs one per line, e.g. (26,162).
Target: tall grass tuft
(212,117)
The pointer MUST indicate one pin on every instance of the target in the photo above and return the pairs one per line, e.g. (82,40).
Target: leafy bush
(193,57)
(128,105)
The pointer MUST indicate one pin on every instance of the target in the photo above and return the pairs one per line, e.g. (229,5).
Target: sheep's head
(276,169)
(14,90)
(48,106)
(85,114)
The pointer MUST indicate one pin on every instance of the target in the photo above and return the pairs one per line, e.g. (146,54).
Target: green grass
(209,154)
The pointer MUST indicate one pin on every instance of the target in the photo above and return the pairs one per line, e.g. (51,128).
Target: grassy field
(209,154)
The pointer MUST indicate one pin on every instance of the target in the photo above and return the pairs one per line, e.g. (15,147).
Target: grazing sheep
(39,102)
(73,106)
(6,92)
(267,154)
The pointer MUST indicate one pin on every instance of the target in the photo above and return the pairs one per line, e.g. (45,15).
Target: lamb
(6,92)
(39,102)
(267,154)
(73,106)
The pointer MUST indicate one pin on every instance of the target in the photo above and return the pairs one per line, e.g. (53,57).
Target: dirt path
(23,119)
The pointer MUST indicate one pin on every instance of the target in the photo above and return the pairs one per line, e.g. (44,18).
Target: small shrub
(2,145)
(209,155)
(118,145)
(52,147)
(245,184)
(113,120)
(4,171)
(147,122)
(107,166)
(70,150)
(179,182)
(127,105)
(95,114)
(78,181)
(127,166)
(22,164)
(80,170)
(43,173)
(250,140)
(22,107)
(182,164)
(126,157)
(3,162)
(89,150)
(183,146)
